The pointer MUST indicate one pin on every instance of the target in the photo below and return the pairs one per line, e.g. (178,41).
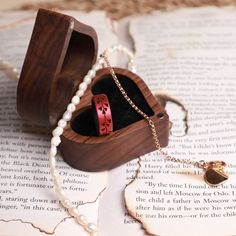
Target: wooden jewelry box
(60,53)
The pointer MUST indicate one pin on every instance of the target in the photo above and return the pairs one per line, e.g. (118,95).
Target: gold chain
(200,164)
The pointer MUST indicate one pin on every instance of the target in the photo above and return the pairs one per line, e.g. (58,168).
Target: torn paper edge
(59,223)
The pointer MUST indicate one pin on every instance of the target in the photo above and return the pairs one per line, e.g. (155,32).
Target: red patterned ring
(103,116)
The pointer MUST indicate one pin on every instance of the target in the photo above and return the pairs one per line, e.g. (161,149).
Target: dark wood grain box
(60,53)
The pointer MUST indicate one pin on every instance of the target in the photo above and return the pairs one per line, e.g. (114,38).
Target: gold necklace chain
(214,169)
(149,120)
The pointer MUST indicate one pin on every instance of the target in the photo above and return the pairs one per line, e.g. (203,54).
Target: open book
(189,54)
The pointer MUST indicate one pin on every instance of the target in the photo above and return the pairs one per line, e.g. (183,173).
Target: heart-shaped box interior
(122,115)
(57,59)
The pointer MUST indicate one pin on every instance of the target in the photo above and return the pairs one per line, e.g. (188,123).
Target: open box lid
(60,53)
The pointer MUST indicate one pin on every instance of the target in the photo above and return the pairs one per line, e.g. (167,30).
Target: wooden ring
(102,114)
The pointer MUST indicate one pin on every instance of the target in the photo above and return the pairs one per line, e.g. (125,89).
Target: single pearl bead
(91,227)
(125,50)
(57,131)
(96,67)
(91,73)
(57,182)
(83,86)
(57,190)
(66,203)
(54,172)
(56,140)
(130,55)
(133,69)
(67,115)
(52,161)
(81,219)
(73,211)
(100,61)
(71,107)
(53,151)
(114,47)
(62,123)
(120,48)
(131,61)
(75,100)
(87,79)
(80,93)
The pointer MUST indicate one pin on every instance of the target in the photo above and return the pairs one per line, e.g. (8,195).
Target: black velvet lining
(122,113)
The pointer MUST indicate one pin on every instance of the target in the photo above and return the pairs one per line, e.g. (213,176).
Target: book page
(189,54)
(28,205)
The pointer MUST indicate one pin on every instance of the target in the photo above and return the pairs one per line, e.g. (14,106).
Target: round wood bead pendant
(215,174)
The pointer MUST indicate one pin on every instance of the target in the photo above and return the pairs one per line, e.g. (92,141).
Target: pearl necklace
(90,227)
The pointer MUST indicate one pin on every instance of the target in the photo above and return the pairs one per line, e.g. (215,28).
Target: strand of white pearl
(58,131)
